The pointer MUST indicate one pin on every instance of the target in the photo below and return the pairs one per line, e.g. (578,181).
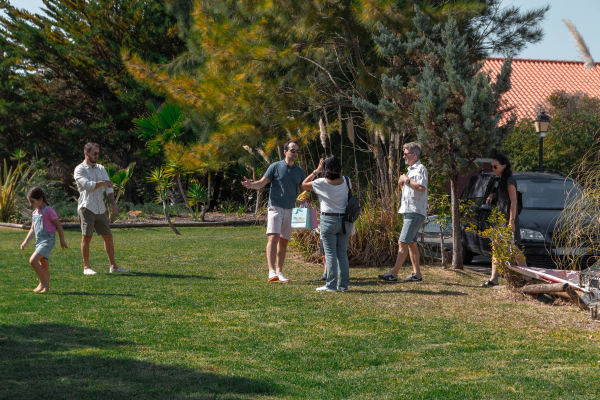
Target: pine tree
(73,80)
(456,108)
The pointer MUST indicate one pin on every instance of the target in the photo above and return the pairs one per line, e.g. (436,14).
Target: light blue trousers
(335,244)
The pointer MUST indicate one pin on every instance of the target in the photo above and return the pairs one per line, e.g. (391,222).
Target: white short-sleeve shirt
(413,201)
(90,197)
(332,198)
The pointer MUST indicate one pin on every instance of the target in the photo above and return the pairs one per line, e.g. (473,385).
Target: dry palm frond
(350,127)
(289,134)
(583,48)
(340,119)
(262,153)
(248,149)
(323,133)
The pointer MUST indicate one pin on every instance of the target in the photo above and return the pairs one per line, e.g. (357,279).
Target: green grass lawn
(197,319)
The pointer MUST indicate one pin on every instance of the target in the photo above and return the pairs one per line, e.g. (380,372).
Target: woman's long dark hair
(37,193)
(503,160)
(332,167)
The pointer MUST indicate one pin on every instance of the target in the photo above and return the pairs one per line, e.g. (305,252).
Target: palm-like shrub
(197,197)
(162,180)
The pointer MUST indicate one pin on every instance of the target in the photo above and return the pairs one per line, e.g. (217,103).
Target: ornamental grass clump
(577,227)
(375,242)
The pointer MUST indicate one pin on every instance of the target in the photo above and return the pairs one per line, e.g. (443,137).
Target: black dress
(504,208)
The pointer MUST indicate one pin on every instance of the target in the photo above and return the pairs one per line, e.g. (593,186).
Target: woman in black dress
(507,204)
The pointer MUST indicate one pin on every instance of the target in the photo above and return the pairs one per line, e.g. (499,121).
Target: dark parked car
(544,198)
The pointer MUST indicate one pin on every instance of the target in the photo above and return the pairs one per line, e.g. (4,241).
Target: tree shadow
(171,276)
(41,361)
(91,294)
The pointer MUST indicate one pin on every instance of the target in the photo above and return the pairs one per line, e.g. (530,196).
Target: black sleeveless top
(504,207)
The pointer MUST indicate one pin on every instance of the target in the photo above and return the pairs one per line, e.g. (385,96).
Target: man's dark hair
(332,167)
(286,146)
(89,146)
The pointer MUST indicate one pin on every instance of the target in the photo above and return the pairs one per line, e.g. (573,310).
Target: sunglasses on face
(94,153)
(407,154)
(294,151)
(495,166)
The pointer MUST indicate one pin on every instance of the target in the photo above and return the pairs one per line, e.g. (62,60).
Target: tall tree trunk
(164,203)
(382,167)
(187,203)
(457,260)
(217,188)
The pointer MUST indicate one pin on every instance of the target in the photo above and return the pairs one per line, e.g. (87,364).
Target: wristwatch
(315,172)
(408,181)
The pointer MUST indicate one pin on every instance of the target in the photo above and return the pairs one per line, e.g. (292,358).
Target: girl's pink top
(47,218)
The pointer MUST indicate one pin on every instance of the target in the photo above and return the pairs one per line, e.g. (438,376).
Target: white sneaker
(273,276)
(282,278)
(89,271)
(325,289)
(120,270)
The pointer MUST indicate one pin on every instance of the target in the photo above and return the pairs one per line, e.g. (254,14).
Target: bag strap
(348,185)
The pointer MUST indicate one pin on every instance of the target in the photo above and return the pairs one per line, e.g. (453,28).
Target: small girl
(44,224)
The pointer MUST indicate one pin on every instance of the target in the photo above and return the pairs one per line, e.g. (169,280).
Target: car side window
(479,189)
(467,189)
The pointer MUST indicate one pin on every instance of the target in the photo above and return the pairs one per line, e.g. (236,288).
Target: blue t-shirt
(285,181)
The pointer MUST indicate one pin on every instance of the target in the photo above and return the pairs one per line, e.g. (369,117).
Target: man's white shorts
(279,220)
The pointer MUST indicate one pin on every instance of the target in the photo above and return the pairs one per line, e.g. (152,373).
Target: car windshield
(549,194)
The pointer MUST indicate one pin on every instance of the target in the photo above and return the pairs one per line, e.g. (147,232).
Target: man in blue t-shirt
(286,178)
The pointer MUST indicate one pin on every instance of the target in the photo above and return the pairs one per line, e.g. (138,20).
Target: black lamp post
(541,126)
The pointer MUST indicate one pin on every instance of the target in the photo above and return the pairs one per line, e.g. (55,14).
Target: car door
(470,240)
(477,195)
(484,213)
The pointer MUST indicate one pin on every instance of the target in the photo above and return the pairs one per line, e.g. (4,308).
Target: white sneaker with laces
(89,271)
(325,289)
(282,278)
(273,276)
(119,270)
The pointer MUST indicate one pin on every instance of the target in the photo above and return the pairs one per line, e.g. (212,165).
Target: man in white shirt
(91,177)
(414,207)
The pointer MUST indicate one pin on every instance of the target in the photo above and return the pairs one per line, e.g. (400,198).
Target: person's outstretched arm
(248,184)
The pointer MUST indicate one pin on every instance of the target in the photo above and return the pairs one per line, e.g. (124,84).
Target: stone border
(152,225)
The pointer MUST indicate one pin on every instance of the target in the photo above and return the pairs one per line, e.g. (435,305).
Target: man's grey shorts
(413,223)
(90,222)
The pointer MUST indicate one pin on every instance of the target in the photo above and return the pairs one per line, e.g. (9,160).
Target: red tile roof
(533,81)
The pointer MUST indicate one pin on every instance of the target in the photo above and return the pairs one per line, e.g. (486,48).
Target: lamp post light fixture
(542,123)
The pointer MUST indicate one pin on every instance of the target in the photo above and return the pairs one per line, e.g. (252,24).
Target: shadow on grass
(171,276)
(42,361)
(92,294)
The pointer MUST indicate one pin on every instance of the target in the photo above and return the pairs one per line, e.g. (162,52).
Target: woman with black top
(507,205)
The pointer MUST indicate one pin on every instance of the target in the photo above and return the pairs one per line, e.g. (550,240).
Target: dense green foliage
(197,319)
(64,83)
(454,106)
(574,129)
(264,71)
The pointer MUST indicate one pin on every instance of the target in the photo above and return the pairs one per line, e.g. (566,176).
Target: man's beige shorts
(90,222)
(279,220)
